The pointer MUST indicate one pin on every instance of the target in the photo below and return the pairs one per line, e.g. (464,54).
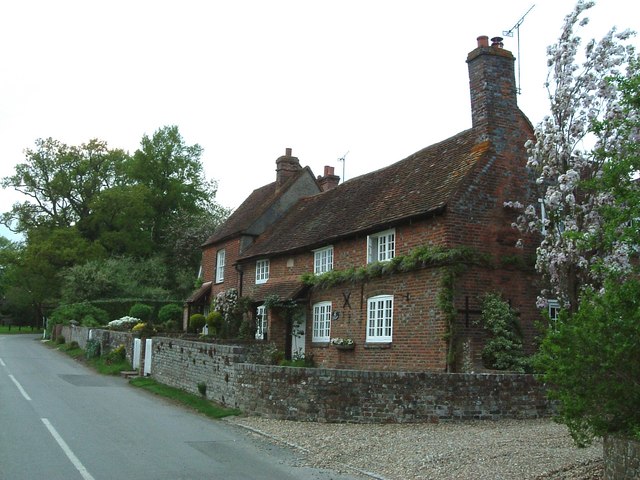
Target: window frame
(553,305)
(373,246)
(323,264)
(321,324)
(385,327)
(261,322)
(262,271)
(220,264)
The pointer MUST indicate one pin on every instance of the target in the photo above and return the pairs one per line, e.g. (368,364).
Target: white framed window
(380,319)
(381,247)
(321,322)
(323,260)
(220,257)
(262,271)
(261,322)
(553,307)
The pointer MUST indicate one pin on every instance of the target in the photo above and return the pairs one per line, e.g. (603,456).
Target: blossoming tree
(566,160)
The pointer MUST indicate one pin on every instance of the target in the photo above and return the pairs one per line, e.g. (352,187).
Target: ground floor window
(380,319)
(321,322)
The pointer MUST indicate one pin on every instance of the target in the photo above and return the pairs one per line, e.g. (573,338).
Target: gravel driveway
(505,449)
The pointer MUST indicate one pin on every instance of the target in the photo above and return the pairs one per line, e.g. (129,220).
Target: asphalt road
(60,420)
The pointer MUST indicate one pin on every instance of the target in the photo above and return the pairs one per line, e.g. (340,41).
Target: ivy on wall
(420,257)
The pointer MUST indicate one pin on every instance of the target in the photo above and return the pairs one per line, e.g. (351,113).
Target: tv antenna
(343,159)
(509,33)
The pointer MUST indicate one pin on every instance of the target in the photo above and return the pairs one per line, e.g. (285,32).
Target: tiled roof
(204,289)
(285,289)
(245,214)
(419,185)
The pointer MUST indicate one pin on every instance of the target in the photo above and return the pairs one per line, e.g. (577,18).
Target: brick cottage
(396,260)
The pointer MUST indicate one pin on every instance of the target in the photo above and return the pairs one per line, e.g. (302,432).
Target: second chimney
(329,180)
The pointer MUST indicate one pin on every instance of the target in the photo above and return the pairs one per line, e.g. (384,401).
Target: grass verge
(13,329)
(190,400)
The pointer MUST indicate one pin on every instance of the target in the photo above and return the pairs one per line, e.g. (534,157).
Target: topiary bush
(141,311)
(170,312)
(214,322)
(196,322)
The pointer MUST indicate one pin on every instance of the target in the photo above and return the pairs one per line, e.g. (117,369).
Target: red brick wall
(418,327)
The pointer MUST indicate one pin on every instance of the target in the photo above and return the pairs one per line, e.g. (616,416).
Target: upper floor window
(262,271)
(321,322)
(220,266)
(381,247)
(554,309)
(323,260)
(261,322)
(380,319)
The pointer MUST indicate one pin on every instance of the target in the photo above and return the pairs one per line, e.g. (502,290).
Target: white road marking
(2,363)
(22,391)
(67,451)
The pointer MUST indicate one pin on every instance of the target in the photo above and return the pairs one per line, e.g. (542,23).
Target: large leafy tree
(172,172)
(60,182)
(565,159)
(93,214)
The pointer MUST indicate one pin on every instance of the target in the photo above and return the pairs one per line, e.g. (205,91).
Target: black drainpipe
(240,271)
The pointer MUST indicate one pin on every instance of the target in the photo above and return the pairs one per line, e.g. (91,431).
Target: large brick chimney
(492,85)
(286,167)
(329,180)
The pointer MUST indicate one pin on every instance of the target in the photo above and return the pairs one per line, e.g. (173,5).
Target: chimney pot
(287,152)
(328,170)
(497,42)
(483,41)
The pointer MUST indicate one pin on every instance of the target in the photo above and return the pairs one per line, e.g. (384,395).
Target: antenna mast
(509,33)
(343,159)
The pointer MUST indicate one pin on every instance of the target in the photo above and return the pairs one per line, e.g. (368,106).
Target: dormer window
(381,247)
(323,260)
(220,259)
(262,271)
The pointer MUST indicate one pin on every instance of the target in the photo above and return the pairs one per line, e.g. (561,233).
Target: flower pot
(346,347)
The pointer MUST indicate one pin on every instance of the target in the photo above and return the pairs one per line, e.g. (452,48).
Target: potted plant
(343,343)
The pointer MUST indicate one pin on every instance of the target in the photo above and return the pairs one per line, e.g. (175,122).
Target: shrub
(215,320)
(73,345)
(591,360)
(170,326)
(196,322)
(503,349)
(92,348)
(90,321)
(116,355)
(170,312)
(80,312)
(60,340)
(202,388)
(124,323)
(141,311)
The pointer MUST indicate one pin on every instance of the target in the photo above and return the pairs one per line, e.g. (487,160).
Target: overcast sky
(246,79)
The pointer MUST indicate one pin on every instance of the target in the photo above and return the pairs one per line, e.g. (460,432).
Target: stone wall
(184,364)
(621,458)
(109,339)
(328,395)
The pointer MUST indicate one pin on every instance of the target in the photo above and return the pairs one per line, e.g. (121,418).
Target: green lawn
(14,329)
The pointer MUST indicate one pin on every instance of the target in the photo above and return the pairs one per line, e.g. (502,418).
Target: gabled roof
(256,204)
(420,185)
